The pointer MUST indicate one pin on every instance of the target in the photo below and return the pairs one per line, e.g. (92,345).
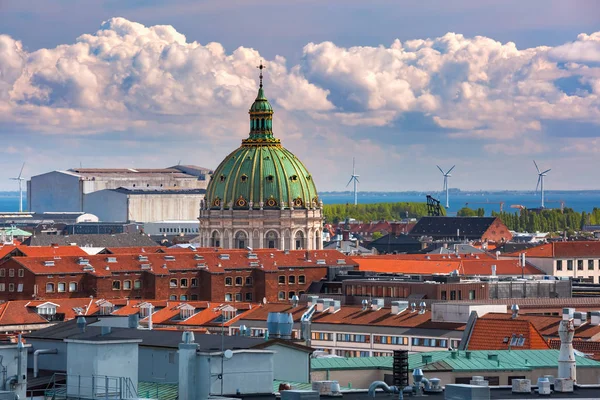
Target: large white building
(141,195)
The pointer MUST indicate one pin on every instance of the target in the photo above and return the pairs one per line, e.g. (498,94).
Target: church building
(261,195)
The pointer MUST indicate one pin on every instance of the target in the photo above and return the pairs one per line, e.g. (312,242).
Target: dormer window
(244,178)
(46,309)
(294,178)
(270,178)
(222,178)
(145,310)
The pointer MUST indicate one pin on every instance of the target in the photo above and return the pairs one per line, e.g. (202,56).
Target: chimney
(192,384)
(566,358)
(150,312)
(579,318)
(493,269)
(568,313)
(595,318)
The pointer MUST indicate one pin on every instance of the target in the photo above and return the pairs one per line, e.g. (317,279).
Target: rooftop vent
(142,258)
(111,259)
(377,304)
(365,304)
(312,300)
(422,307)
(413,307)
(595,318)
(224,256)
(169,258)
(399,306)
(49,263)
(515,310)
(568,313)
(579,318)
(324,304)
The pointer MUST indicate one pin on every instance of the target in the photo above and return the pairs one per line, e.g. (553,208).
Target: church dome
(261,172)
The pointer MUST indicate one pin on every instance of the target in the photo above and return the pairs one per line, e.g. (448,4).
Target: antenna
(354,178)
(540,183)
(445,187)
(20,179)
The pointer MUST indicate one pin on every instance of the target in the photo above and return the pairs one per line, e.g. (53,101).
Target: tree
(377,235)
(466,212)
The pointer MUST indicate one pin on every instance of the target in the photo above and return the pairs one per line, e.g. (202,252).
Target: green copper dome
(261,172)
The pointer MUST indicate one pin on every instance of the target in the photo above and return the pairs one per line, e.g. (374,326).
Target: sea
(489,201)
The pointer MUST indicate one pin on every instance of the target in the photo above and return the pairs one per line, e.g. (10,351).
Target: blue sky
(401,86)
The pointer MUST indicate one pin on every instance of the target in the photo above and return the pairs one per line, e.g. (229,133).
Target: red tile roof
(441,265)
(496,334)
(133,250)
(584,346)
(51,251)
(582,249)
(159,263)
(548,325)
(354,315)
(24,312)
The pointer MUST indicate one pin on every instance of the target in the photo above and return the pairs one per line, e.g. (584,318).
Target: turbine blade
(546,171)
(536,167)
(357,181)
(450,170)
(20,172)
(441,170)
(349,182)
(538,183)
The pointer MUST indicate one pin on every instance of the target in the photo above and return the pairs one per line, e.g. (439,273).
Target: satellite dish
(227,354)
(264,300)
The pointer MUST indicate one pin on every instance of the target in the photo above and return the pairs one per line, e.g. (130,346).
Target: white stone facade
(287,229)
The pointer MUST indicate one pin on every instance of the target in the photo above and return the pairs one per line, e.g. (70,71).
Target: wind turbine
(354,178)
(540,182)
(445,188)
(20,179)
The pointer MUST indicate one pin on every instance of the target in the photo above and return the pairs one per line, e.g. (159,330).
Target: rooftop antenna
(445,188)
(20,179)
(354,178)
(540,182)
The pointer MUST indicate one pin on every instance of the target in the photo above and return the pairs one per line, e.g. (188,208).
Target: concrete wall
(88,360)
(54,191)
(107,205)
(50,362)
(160,207)
(249,371)
(158,365)
(290,364)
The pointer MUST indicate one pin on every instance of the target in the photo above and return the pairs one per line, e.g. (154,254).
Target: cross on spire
(261,67)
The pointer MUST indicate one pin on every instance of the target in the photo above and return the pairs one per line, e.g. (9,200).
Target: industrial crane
(488,202)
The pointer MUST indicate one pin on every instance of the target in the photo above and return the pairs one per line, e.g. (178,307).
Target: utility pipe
(381,385)
(36,355)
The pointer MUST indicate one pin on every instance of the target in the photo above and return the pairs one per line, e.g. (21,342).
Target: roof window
(146,266)
(111,259)
(198,257)
(142,258)
(320,262)
(341,261)
(169,258)
(83,261)
(49,263)
(224,256)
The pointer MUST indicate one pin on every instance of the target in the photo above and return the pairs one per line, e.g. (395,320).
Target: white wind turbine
(540,182)
(445,188)
(354,178)
(20,179)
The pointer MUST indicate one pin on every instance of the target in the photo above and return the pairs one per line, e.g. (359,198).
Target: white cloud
(152,82)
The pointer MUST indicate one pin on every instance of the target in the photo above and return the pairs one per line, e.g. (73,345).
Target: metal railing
(95,387)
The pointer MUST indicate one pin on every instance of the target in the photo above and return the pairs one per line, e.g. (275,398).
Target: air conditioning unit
(521,385)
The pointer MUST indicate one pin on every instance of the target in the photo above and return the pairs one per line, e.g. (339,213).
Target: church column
(282,240)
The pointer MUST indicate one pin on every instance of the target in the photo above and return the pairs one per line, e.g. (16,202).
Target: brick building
(205,274)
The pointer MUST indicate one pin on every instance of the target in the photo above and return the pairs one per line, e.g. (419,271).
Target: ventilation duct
(399,306)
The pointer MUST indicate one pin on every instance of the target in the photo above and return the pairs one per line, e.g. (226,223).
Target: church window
(244,178)
(222,178)
(262,124)
(270,178)
(308,177)
(294,178)
(298,202)
(271,202)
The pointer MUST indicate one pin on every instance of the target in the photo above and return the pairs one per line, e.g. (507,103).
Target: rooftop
(579,249)
(92,240)
(449,227)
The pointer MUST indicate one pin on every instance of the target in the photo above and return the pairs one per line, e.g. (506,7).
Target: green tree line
(335,213)
(545,221)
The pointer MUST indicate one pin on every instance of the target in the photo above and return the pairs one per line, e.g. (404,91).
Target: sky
(487,86)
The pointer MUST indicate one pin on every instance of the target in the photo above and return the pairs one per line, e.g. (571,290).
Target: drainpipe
(36,356)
